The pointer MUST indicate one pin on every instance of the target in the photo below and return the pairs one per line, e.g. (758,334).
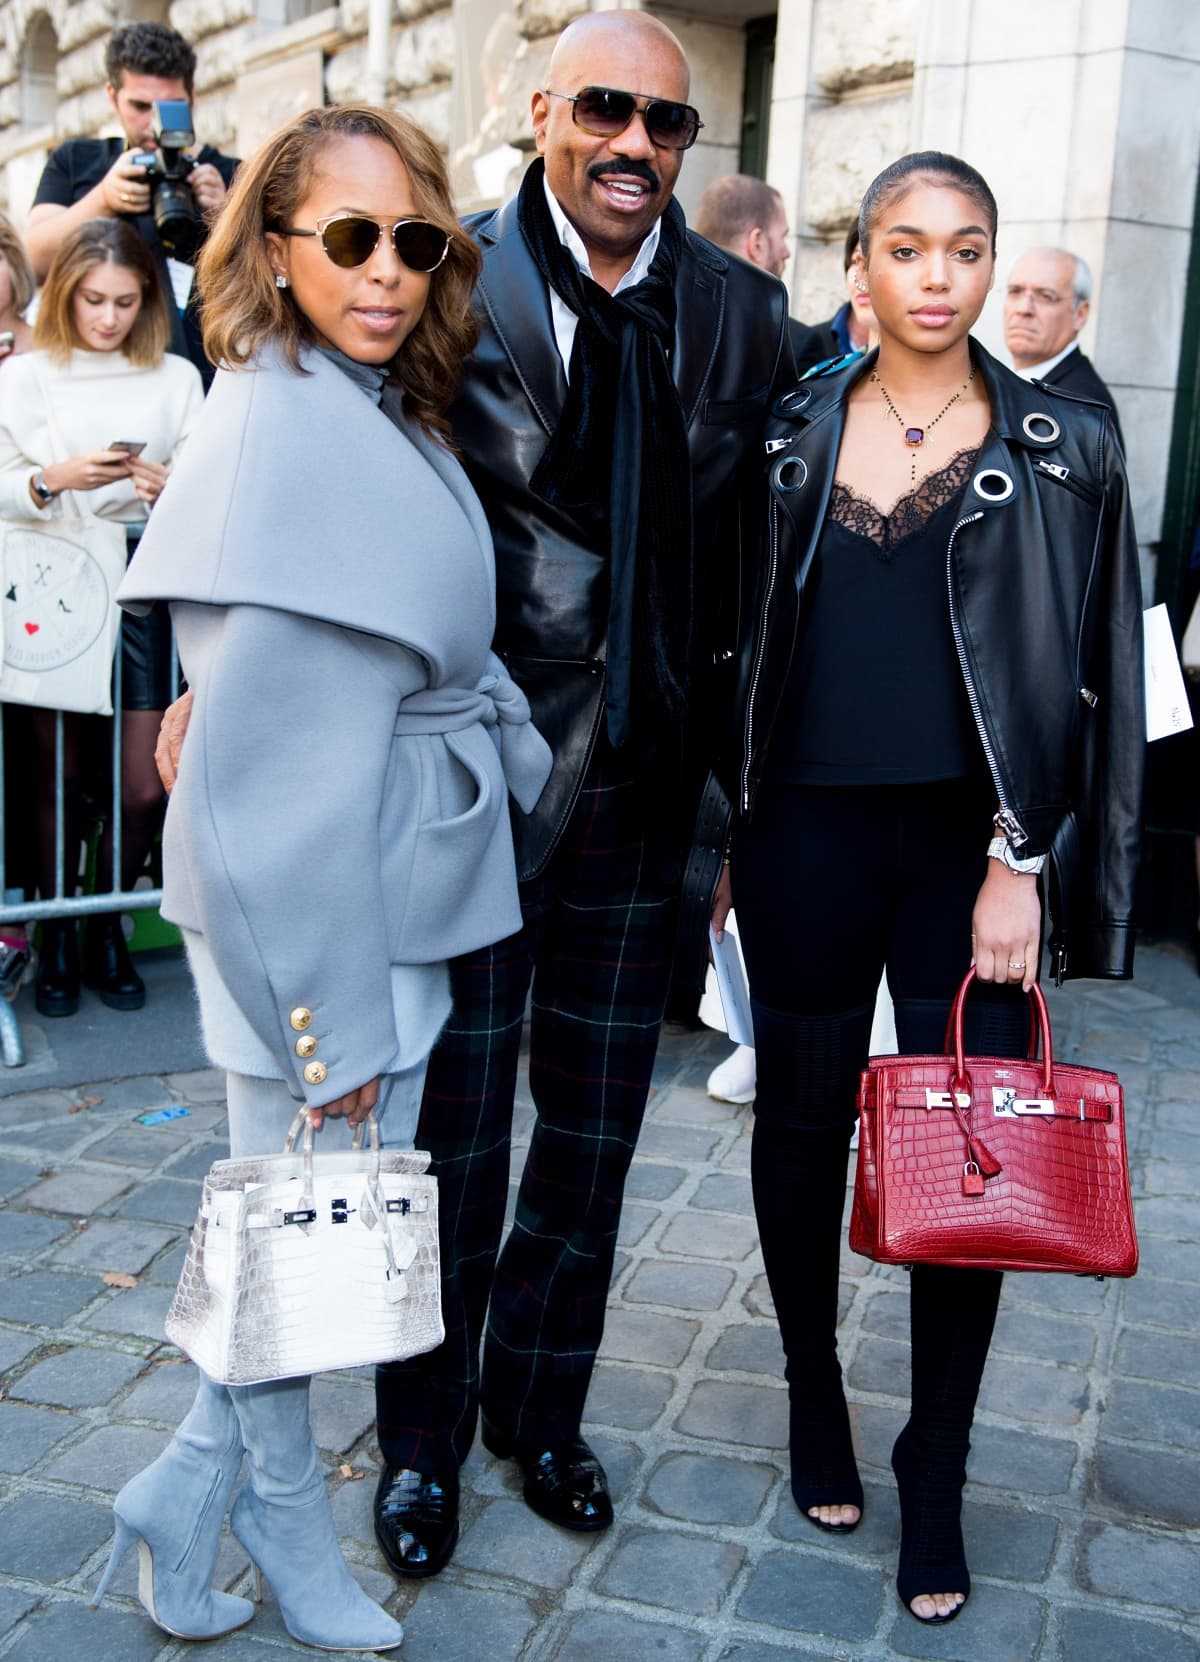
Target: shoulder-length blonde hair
(243,308)
(102,242)
(20,270)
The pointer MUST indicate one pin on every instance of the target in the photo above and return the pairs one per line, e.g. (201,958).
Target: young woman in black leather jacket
(946,649)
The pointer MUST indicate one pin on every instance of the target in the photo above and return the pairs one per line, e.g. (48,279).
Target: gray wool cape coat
(341,812)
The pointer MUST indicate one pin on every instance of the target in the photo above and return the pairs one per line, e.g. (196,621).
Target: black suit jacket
(1076,374)
(730,359)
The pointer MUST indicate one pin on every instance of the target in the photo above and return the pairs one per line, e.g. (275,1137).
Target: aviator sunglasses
(350,239)
(604,112)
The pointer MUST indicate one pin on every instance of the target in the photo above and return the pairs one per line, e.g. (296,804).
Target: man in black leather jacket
(600,855)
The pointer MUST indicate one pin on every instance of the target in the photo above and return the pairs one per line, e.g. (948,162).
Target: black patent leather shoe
(416,1520)
(57,989)
(107,967)
(565,1483)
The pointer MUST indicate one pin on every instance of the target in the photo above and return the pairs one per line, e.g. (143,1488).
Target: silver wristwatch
(1000,849)
(40,489)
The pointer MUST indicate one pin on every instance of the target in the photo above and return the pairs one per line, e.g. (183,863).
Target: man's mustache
(632,169)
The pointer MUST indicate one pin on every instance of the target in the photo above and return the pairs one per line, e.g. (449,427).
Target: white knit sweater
(50,411)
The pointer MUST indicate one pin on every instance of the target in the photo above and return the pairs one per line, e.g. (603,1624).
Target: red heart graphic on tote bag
(32,628)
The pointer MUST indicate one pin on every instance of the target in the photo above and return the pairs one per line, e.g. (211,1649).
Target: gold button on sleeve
(307,1046)
(300,1018)
(314,1073)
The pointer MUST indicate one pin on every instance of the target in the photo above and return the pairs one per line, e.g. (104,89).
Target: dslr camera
(180,223)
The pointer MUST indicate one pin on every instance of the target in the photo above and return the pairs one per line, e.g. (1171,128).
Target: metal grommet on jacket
(1038,419)
(789,474)
(993,484)
(793,402)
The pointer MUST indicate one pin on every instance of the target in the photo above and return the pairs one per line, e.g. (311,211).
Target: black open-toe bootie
(953,1312)
(932,1556)
(799,1181)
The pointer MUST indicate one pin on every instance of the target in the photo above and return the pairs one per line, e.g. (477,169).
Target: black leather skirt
(145,653)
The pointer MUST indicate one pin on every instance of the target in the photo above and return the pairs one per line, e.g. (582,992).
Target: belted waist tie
(498,705)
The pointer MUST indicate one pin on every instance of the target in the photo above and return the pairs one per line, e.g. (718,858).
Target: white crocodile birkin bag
(299,1262)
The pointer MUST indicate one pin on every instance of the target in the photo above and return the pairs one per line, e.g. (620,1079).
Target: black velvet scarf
(618,465)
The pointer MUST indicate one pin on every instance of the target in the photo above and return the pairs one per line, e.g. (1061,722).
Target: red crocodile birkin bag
(993,1163)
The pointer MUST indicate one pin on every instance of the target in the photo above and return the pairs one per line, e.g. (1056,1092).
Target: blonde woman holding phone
(99,409)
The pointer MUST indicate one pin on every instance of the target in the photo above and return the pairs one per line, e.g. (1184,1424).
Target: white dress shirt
(1039,372)
(564,319)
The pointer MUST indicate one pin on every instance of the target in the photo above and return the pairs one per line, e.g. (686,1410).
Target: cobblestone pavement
(1083,1511)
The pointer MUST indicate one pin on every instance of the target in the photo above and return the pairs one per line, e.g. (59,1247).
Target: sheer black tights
(87,744)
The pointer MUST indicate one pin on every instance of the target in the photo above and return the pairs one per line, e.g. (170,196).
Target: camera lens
(175,214)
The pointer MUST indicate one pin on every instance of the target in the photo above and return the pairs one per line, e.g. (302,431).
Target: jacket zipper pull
(1011,826)
(772,445)
(1054,469)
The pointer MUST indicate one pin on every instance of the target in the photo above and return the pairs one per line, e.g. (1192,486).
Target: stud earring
(281,281)
(858,283)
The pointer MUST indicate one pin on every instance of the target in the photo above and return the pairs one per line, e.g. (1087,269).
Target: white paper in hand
(1167,708)
(731,984)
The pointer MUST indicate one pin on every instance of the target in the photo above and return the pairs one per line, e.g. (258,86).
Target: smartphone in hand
(131,447)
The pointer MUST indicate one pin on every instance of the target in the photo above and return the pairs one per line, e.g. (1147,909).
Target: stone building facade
(1083,114)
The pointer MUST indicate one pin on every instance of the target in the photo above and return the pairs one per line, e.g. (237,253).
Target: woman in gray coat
(340,824)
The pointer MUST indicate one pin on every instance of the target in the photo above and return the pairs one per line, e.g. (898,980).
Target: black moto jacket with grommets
(1044,598)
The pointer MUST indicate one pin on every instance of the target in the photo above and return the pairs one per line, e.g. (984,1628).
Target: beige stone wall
(841,110)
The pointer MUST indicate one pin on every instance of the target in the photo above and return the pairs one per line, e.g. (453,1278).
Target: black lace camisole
(875,694)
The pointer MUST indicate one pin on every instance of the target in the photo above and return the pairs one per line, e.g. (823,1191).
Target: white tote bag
(301,1262)
(59,578)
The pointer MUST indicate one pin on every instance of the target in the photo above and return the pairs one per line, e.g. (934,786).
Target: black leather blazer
(730,360)
(1044,599)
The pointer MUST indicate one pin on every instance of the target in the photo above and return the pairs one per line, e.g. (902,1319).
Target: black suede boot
(953,1314)
(57,990)
(107,966)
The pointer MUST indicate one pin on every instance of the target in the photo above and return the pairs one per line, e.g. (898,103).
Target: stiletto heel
(258,1584)
(123,1539)
(174,1511)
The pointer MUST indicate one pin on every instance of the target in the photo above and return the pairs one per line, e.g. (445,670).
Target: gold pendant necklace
(914,437)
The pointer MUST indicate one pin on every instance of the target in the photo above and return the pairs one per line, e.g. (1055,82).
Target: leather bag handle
(960,1079)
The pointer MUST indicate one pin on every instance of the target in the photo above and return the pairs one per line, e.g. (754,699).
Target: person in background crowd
(1046,304)
(850,327)
(100,372)
(746,217)
(953,558)
(17,287)
(89,178)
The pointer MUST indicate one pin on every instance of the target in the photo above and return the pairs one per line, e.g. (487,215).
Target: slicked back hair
(935,167)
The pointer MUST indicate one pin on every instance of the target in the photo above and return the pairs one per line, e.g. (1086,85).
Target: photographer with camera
(153,175)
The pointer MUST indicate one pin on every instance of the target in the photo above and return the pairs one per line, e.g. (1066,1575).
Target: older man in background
(1046,304)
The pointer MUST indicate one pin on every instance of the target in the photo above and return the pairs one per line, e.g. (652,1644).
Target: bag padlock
(972,1179)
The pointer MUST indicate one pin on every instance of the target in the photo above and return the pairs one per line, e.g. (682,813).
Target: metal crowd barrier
(62,904)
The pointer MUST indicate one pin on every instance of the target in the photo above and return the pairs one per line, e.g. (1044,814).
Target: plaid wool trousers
(596,947)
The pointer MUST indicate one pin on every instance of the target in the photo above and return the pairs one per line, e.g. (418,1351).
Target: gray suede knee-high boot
(283,1519)
(174,1511)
